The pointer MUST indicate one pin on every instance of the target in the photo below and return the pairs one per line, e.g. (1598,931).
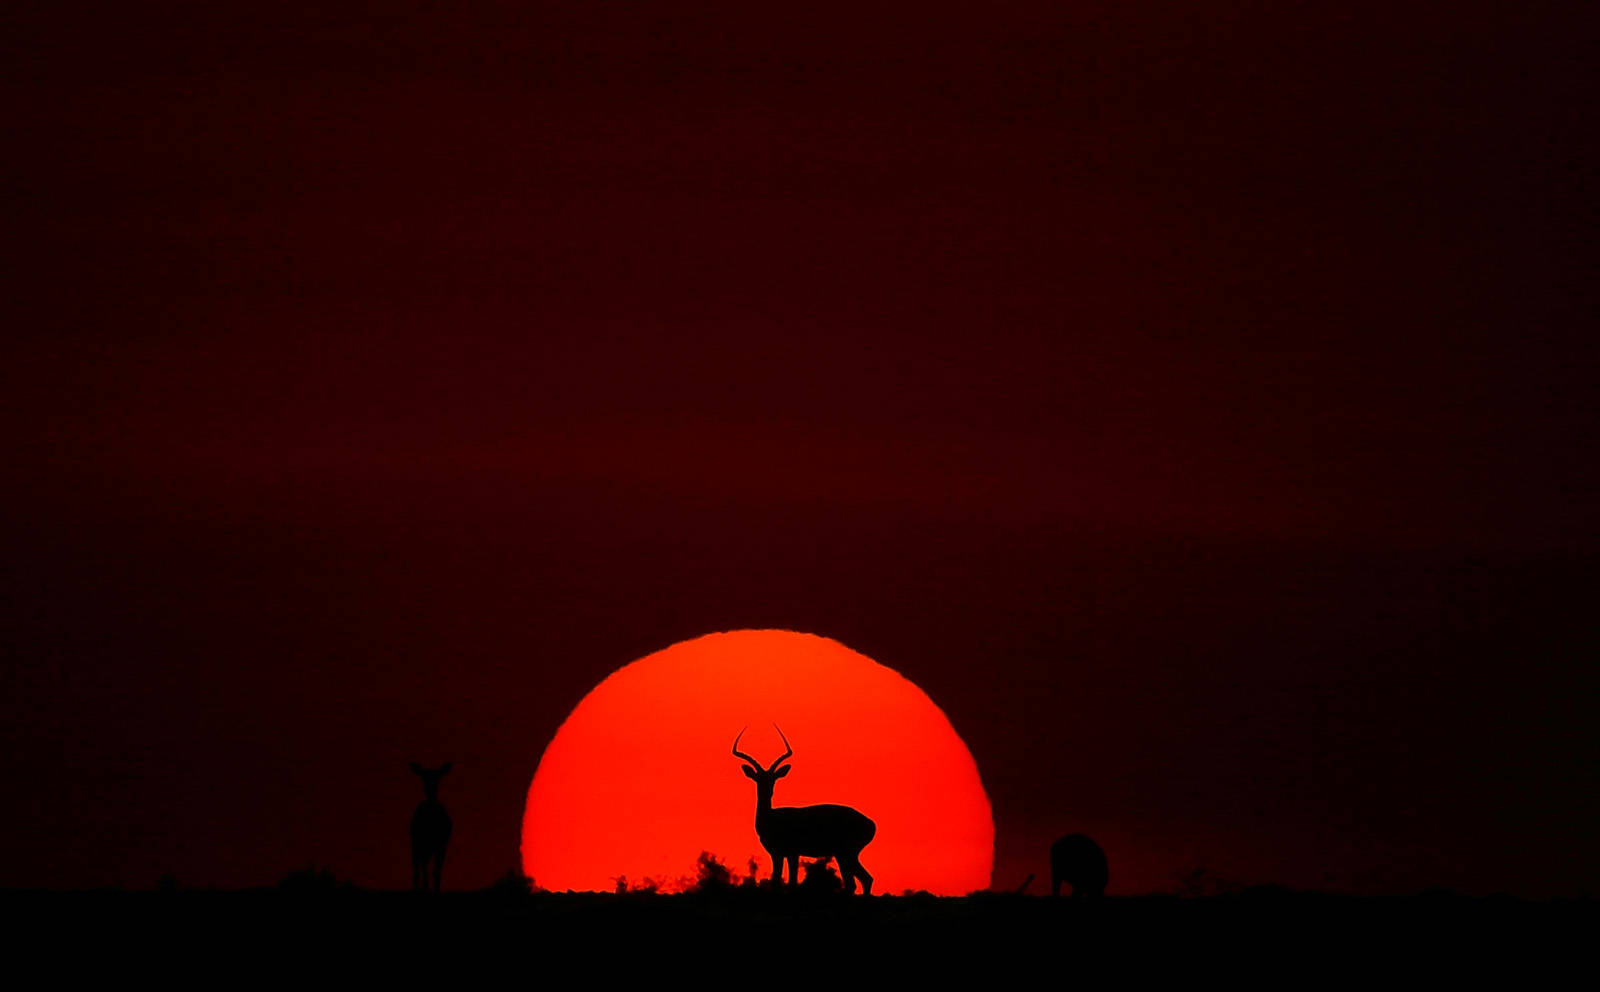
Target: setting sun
(640,778)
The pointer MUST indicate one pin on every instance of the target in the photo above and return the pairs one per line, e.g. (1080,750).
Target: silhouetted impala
(825,831)
(430,828)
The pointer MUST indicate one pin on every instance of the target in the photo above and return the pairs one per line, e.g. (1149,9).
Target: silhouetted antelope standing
(1078,861)
(825,831)
(430,828)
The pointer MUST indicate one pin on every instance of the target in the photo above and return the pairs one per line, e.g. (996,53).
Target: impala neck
(763,802)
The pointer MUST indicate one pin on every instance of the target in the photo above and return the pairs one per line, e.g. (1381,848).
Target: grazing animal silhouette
(430,829)
(1078,861)
(825,831)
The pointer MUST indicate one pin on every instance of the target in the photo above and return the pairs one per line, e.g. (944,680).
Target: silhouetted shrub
(512,884)
(1199,883)
(712,875)
(646,886)
(309,880)
(818,876)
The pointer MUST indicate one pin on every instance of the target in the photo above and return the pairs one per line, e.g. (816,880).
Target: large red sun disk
(640,779)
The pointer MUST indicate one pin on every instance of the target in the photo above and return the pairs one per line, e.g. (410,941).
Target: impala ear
(748,771)
(444,769)
(416,768)
(780,773)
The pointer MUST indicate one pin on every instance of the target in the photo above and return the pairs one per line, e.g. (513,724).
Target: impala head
(765,778)
(430,777)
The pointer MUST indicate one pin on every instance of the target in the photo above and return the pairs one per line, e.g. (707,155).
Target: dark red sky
(1200,405)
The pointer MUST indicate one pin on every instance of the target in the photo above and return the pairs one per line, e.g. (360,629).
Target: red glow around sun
(640,779)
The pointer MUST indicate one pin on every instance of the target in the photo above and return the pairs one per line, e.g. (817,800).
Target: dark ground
(1257,936)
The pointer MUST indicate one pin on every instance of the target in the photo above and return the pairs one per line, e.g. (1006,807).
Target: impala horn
(754,764)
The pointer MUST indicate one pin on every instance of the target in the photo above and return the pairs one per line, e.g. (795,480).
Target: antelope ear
(780,773)
(748,771)
(416,768)
(444,769)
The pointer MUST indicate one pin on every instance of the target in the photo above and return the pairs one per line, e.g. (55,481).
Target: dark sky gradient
(1198,404)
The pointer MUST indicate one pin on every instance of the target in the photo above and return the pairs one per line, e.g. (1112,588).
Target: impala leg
(847,873)
(851,869)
